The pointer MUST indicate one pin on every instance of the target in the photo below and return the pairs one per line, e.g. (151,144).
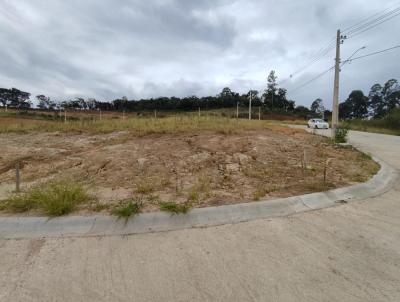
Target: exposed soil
(204,168)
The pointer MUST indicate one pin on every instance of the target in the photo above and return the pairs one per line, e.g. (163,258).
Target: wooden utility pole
(335,103)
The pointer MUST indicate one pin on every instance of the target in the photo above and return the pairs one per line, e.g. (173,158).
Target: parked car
(316,123)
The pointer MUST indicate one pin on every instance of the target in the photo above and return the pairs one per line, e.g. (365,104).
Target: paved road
(345,253)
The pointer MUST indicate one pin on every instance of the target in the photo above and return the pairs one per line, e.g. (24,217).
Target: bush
(54,199)
(341,135)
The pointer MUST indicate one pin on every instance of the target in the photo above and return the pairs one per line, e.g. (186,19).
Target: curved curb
(75,226)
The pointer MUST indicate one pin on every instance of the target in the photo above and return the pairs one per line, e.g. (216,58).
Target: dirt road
(345,253)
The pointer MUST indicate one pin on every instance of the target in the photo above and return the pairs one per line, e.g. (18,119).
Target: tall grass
(53,199)
(390,124)
(140,126)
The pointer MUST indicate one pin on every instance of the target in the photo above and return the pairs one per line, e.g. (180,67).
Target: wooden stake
(17,177)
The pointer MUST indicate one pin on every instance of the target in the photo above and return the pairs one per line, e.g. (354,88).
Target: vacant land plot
(196,161)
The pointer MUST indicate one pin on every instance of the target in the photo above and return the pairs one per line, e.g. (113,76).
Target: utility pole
(335,103)
(251,96)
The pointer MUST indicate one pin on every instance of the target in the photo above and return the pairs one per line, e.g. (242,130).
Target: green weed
(175,208)
(127,209)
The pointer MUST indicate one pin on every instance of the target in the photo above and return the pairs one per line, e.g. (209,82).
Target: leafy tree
(302,111)
(356,106)
(317,107)
(14,98)
(269,93)
(44,101)
(391,94)
(377,105)
(384,98)
(271,81)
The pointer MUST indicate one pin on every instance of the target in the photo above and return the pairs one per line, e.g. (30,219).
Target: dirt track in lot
(205,168)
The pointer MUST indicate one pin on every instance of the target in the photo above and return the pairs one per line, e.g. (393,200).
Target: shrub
(341,135)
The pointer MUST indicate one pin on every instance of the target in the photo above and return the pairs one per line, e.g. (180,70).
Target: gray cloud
(107,49)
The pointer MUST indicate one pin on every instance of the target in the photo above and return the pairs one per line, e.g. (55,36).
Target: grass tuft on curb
(175,208)
(127,209)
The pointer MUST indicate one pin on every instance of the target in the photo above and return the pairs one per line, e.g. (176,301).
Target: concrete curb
(77,226)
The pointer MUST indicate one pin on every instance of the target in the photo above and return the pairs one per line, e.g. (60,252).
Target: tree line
(380,100)
(273,98)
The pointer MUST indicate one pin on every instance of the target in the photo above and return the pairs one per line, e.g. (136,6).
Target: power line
(322,52)
(313,79)
(366,19)
(369,25)
(375,25)
(371,54)
(349,59)
(354,30)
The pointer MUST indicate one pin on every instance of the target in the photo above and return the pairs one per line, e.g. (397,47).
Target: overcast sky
(112,48)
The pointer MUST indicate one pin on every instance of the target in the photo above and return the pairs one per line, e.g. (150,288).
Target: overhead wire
(367,24)
(371,54)
(349,32)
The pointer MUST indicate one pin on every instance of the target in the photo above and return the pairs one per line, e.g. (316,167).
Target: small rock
(141,162)
(232,168)
(241,158)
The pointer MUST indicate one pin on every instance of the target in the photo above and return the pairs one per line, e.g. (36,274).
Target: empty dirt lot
(203,167)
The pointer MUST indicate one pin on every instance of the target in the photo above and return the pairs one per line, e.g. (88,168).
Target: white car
(316,123)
